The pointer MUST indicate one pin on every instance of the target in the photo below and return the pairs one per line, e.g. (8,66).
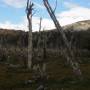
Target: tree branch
(55,7)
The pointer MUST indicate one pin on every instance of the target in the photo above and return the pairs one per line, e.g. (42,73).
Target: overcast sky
(13,16)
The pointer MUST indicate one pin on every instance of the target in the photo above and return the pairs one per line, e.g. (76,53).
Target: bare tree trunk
(39,38)
(30,45)
(44,45)
(44,54)
(41,54)
(69,54)
(29,17)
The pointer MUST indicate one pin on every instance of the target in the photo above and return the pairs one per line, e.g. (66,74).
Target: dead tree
(69,53)
(42,68)
(37,55)
(29,9)
(39,38)
(44,53)
(41,53)
(44,45)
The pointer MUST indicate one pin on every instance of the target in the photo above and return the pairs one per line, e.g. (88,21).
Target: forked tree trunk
(69,53)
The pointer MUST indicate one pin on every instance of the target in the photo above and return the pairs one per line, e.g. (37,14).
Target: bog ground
(60,76)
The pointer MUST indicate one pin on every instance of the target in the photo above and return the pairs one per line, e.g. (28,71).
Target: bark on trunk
(30,43)
(29,17)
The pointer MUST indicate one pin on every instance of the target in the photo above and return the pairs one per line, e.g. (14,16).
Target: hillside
(81,25)
(13,58)
(17,41)
(79,31)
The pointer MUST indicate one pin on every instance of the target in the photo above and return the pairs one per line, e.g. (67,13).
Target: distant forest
(80,39)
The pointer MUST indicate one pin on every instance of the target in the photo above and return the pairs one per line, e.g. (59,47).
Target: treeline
(79,39)
(13,44)
(13,38)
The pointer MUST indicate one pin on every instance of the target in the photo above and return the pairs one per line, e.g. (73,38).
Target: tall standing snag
(42,51)
(39,38)
(29,9)
(69,53)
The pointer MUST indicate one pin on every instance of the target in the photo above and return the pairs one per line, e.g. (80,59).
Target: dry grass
(60,76)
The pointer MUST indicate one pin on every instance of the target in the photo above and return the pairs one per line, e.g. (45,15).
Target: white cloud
(46,23)
(15,3)
(23,25)
(66,17)
(20,3)
(73,15)
(10,25)
(70,5)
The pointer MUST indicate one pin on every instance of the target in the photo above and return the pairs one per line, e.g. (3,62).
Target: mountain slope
(81,25)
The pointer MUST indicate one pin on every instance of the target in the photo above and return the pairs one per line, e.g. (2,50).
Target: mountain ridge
(79,25)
